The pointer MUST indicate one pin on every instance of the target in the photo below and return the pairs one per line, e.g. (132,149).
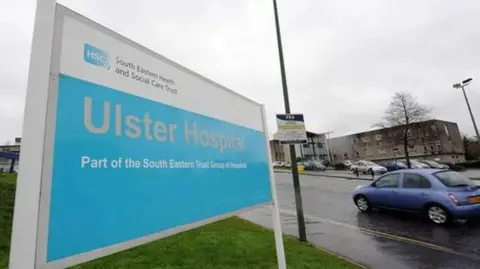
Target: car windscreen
(452,179)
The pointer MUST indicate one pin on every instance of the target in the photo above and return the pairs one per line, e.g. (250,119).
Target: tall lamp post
(462,86)
(302,234)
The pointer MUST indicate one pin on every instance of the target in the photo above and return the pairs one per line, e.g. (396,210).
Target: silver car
(367,167)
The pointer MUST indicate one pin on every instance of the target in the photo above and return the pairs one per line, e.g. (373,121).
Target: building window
(366,139)
(434,130)
(425,149)
(378,137)
(368,153)
(354,141)
(382,151)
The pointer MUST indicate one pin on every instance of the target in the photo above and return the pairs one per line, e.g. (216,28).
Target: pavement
(332,173)
(375,240)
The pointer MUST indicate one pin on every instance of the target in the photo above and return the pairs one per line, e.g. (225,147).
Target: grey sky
(344,59)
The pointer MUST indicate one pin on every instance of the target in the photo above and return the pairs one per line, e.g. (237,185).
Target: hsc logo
(96,56)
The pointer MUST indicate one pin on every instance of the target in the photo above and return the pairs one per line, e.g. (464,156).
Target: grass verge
(233,243)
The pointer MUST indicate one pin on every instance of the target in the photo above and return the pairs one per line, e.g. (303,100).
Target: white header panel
(102,58)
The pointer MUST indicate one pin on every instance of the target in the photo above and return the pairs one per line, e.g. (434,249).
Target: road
(376,240)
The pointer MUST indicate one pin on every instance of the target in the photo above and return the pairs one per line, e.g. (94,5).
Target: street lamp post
(293,158)
(462,86)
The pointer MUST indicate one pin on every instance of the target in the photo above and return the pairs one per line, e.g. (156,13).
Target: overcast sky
(344,59)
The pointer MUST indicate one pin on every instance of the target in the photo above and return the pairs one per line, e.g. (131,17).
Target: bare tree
(404,109)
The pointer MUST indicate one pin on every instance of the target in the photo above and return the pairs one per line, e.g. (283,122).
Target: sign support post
(302,234)
(277,228)
(27,195)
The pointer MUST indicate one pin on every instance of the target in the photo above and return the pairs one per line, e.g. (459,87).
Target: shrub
(471,164)
(340,166)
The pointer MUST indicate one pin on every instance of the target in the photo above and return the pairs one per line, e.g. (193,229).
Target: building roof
(390,128)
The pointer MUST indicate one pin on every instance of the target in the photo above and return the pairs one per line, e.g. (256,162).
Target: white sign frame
(30,224)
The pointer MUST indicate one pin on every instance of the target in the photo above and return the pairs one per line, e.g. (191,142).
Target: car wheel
(353,171)
(362,203)
(437,214)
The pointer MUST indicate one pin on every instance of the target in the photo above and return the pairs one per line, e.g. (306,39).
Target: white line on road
(382,234)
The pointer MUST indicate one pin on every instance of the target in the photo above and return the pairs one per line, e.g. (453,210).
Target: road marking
(384,235)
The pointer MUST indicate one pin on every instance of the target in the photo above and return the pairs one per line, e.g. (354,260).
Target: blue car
(440,195)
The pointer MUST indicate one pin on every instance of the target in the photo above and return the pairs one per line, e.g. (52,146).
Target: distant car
(314,165)
(393,166)
(367,167)
(440,195)
(416,164)
(278,165)
(347,163)
(326,163)
(433,164)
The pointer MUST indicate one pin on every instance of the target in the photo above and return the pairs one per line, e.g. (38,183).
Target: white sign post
(291,129)
(119,148)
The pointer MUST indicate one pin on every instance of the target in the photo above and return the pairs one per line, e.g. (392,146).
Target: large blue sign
(127,167)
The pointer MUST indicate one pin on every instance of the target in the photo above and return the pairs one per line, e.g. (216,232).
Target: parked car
(415,164)
(278,164)
(440,195)
(326,163)
(367,167)
(347,163)
(433,164)
(288,164)
(393,166)
(314,165)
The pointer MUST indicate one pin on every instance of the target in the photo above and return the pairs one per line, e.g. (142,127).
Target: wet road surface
(376,240)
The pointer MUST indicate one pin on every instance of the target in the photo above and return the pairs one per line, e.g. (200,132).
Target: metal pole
(313,148)
(12,166)
(329,156)
(471,114)
(296,182)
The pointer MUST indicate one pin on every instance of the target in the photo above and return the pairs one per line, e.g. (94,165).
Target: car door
(362,167)
(384,190)
(414,192)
